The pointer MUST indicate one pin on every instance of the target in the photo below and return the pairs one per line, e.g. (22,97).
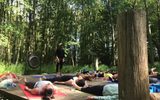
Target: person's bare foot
(20,78)
(55,82)
(58,74)
(40,79)
(24,80)
(43,77)
(90,98)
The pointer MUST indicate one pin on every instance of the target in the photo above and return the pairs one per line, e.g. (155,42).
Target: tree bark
(96,63)
(132,56)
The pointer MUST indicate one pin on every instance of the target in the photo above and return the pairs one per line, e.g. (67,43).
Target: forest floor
(71,93)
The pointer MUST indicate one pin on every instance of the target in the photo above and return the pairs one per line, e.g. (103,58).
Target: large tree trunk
(132,56)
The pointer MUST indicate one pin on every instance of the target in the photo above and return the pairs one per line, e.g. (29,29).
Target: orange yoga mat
(31,97)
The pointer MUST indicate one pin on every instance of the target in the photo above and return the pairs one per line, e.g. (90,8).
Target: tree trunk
(132,56)
(96,64)
(18,52)
(72,58)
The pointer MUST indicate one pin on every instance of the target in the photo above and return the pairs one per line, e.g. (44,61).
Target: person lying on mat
(42,87)
(153,73)
(87,76)
(109,90)
(8,80)
(98,74)
(154,76)
(67,80)
(9,75)
(102,92)
(92,74)
(8,83)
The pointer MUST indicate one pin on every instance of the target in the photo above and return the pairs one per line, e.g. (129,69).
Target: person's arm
(32,91)
(76,86)
(54,87)
(86,84)
(63,55)
(56,59)
(69,82)
(56,82)
(56,56)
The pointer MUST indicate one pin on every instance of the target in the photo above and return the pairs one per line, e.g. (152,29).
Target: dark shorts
(61,79)
(153,80)
(95,90)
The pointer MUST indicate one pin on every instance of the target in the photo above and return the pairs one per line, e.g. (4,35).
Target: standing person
(60,54)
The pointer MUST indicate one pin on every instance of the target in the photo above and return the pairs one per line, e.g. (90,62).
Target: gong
(33,62)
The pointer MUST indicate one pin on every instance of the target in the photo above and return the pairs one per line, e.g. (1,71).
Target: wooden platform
(72,94)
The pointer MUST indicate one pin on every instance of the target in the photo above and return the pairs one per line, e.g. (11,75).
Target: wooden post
(132,56)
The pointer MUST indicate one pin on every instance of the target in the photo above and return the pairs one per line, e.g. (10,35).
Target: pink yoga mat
(31,97)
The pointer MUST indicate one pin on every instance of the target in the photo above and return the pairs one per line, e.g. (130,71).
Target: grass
(23,69)
(18,69)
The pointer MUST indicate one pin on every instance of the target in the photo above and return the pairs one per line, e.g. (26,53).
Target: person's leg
(15,80)
(60,78)
(57,67)
(95,90)
(54,79)
(153,80)
(66,77)
(158,76)
(3,78)
(61,65)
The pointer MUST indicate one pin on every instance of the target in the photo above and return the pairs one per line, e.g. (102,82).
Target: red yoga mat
(31,96)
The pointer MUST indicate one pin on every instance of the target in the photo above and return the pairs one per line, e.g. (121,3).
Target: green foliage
(48,68)
(51,68)
(156,65)
(87,68)
(103,68)
(2,1)
(86,27)
(71,69)
(3,40)
(2,67)
(18,69)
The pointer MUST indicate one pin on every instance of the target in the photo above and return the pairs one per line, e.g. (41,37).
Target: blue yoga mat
(154,88)
(47,76)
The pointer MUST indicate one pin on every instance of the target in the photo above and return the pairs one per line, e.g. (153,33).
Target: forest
(87,28)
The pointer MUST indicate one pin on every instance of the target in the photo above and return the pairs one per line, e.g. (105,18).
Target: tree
(132,56)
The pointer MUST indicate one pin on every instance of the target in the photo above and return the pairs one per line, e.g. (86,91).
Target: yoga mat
(47,76)
(32,97)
